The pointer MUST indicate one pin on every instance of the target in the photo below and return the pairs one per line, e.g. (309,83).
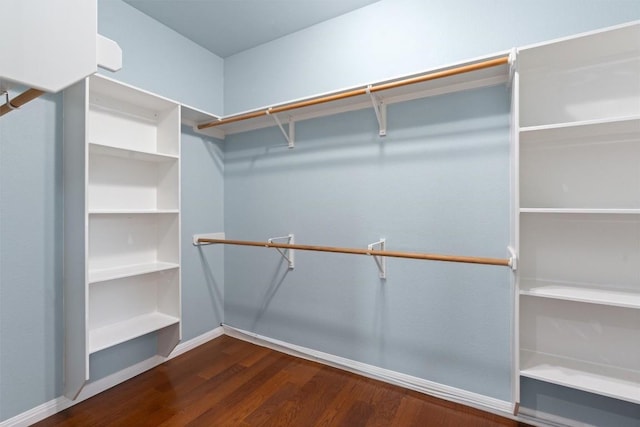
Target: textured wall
(438,183)
(398,37)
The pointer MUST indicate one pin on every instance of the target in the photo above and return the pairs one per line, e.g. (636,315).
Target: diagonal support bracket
(381,261)
(288,254)
(380,108)
(289,136)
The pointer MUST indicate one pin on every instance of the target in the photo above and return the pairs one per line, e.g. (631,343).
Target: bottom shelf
(609,381)
(117,333)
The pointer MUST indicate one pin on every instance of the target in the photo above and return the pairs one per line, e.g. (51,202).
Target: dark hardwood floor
(228,382)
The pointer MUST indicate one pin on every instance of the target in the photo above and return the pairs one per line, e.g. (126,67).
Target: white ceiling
(226,27)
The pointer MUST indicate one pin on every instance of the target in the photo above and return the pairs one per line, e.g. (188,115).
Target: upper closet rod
(413,255)
(20,100)
(362,91)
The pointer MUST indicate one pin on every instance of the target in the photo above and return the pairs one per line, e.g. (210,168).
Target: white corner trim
(61,403)
(479,401)
(196,342)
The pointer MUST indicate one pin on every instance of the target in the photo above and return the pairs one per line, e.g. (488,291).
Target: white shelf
(577,131)
(132,211)
(580,293)
(108,336)
(601,379)
(129,271)
(579,211)
(125,153)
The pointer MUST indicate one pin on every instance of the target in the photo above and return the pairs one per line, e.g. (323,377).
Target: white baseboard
(544,419)
(479,401)
(453,394)
(61,403)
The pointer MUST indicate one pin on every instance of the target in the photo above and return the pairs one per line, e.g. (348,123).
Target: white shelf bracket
(381,261)
(513,258)
(206,236)
(289,136)
(513,58)
(288,254)
(380,108)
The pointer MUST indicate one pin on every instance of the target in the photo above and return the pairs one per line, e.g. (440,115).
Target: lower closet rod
(396,254)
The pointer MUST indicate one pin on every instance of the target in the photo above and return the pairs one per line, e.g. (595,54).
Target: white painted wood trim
(61,403)
(544,419)
(475,400)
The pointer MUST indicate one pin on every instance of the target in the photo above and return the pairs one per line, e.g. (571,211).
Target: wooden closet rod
(396,254)
(20,100)
(361,91)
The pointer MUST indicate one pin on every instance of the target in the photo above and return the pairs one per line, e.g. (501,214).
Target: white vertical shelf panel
(579,212)
(127,198)
(76,341)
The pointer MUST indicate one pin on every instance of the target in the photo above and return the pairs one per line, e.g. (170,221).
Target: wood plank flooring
(228,382)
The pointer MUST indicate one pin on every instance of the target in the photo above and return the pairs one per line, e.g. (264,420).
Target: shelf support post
(289,136)
(380,108)
(289,255)
(381,261)
(513,59)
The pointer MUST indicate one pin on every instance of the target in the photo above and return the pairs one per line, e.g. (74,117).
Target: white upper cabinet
(50,45)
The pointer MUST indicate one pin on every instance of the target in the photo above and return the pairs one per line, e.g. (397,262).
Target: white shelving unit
(122,221)
(578,211)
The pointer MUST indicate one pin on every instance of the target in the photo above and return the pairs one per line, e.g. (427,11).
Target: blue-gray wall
(383,40)
(30,256)
(398,37)
(439,183)
(31,336)
(158,59)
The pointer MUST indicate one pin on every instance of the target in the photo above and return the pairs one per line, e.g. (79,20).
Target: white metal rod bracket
(288,254)
(380,108)
(206,236)
(513,258)
(381,261)
(289,136)
(8,102)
